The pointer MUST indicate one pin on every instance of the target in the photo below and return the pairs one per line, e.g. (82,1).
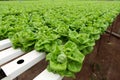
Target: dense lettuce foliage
(66,31)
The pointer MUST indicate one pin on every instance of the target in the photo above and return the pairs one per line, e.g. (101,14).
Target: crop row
(66,31)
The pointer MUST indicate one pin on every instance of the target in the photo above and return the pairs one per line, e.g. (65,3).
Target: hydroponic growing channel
(63,32)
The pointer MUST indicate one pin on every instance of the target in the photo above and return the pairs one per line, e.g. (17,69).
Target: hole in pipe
(20,61)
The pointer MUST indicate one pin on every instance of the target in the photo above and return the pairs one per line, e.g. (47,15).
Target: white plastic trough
(45,75)
(9,54)
(16,67)
(5,44)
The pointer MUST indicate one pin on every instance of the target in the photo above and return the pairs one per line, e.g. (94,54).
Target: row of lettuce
(65,31)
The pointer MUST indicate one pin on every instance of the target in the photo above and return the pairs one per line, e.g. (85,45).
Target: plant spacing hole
(20,61)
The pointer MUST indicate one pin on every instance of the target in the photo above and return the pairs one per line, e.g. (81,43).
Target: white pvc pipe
(5,44)
(45,75)
(9,54)
(21,64)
